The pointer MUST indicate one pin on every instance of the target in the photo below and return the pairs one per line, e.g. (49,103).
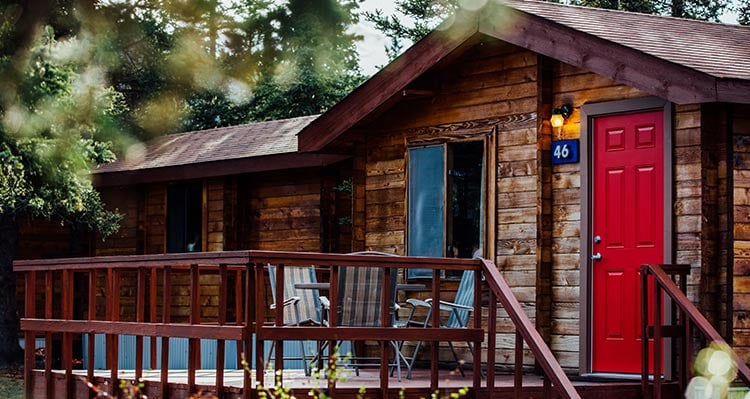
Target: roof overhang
(658,77)
(661,78)
(214,169)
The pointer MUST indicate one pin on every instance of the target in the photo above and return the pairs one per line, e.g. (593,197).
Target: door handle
(597,257)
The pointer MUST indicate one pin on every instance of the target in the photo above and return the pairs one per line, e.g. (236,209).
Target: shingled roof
(237,149)
(683,61)
(719,50)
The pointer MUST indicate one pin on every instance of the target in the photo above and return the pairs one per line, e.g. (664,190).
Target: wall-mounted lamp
(559,115)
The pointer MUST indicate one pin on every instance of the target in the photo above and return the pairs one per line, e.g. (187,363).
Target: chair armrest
(288,301)
(445,305)
(418,302)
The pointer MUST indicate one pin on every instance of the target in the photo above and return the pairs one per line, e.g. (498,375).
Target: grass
(11,384)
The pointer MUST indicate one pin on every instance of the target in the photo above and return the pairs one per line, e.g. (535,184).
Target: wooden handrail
(692,316)
(526,329)
(247,267)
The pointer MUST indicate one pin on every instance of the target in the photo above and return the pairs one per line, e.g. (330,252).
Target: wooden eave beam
(733,91)
(658,77)
(390,81)
(214,169)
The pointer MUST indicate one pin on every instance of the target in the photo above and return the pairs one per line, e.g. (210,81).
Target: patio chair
(302,307)
(359,305)
(457,315)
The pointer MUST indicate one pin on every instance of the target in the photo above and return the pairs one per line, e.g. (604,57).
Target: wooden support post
(140,317)
(49,292)
(222,321)
(29,336)
(518,367)
(491,344)
(67,290)
(435,322)
(152,298)
(279,321)
(644,332)
(91,316)
(657,340)
(386,320)
(115,316)
(194,356)
(477,348)
(165,315)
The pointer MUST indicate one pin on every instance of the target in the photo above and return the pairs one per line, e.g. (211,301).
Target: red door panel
(628,206)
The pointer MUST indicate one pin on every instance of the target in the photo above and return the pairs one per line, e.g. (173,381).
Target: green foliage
(56,124)
(314,59)
(415,20)
(742,8)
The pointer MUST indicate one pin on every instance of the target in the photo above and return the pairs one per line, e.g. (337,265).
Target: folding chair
(359,305)
(301,306)
(458,315)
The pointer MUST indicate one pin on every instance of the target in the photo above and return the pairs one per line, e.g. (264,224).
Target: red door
(628,230)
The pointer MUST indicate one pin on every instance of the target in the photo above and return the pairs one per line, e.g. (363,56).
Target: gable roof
(684,61)
(245,148)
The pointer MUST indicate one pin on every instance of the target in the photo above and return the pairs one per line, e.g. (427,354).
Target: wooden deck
(368,379)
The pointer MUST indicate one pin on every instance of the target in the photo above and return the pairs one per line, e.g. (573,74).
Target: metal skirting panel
(178,353)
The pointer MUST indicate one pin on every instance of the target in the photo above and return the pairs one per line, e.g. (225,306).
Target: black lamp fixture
(559,115)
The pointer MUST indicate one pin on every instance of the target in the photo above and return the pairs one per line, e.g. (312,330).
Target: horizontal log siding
(577,87)
(741,213)
(284,210)
(129,239)
(214,214)
(492,87)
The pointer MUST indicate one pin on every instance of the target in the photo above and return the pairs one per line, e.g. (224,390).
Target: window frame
(488,190)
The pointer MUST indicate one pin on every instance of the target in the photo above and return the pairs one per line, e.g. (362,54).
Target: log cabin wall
(740,127)
(488,92)
(129,202)
(284,210)
(576,87)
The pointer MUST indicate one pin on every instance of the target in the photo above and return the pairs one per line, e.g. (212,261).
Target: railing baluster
(194,355)
(166,295)
(644,334)
(239,312)
(477,348)
(115,316)
(386,318)
(279,321)
(657,340)
(91,316)
(222,321)
(254,321)
(153,301)
(333,320)
(66,291)
(491,344)
(29,336)
(49,292)
(518,367)
(435,322)
(140,317)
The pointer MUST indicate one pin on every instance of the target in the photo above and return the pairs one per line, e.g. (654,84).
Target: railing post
(67,290)
(258,307)
(92,316)
(477,348)
(644,331)
(279,321)
(166,297)
(518,367)
(491,344)
(222,320)
(657,340)
(29,336)
(140,317)
(194,349)
(49,292)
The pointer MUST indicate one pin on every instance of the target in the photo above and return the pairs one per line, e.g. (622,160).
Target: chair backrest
(360,294)
(464,297)
(309,304)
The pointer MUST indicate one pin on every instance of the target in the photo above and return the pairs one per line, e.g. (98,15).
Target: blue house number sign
(565,151)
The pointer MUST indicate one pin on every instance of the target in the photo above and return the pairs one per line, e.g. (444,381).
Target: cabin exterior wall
(740,287)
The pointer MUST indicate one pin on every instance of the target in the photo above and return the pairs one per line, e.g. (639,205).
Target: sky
(372,48)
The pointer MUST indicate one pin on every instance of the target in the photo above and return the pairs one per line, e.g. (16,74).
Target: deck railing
(686,319)
(240,313)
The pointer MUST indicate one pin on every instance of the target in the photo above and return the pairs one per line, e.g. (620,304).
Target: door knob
(597,256)
(597,239)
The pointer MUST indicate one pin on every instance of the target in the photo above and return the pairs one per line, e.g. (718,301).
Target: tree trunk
(10,351)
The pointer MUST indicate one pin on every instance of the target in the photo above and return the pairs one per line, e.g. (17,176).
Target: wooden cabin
(451,151)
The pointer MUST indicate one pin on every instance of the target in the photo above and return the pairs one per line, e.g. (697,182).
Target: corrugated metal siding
(178,351)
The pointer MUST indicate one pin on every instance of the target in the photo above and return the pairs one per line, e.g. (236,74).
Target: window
(446,201)
(185,217)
